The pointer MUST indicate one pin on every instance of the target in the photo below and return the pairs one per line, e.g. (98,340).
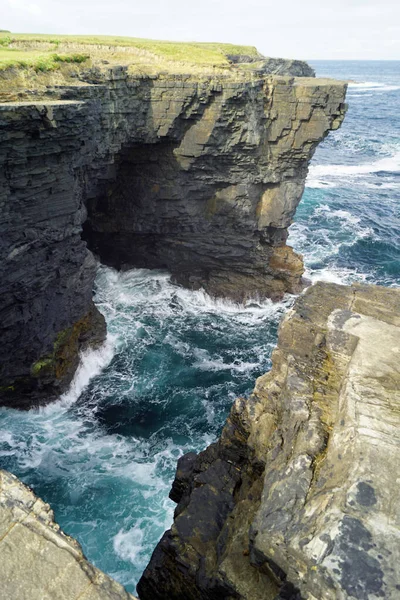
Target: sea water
(104,455)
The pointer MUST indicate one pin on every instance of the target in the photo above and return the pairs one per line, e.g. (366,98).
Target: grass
(37,61)
(38,51)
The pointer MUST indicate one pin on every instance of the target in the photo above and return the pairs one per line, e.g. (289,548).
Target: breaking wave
(369,173)
(372,86)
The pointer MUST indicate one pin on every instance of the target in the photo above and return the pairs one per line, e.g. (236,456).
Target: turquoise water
(104,455)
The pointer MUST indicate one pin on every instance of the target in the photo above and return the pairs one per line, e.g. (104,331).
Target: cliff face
(198,175)
(40,562)
(209,190)
(298,498)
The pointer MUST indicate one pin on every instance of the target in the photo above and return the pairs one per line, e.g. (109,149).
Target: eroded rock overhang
(201,176)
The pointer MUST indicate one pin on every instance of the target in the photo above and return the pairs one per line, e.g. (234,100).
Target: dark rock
(184,474)
(194,174)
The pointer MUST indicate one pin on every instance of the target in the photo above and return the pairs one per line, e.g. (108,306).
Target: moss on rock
(52,373)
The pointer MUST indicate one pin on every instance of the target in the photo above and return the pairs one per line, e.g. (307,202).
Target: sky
(304,29)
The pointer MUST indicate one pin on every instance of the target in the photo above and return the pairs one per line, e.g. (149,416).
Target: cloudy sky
(307,29)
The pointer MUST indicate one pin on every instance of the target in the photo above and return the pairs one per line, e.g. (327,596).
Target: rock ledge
(200,175)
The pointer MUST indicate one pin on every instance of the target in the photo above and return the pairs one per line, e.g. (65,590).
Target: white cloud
(309,29)
(34,9)
(20,6)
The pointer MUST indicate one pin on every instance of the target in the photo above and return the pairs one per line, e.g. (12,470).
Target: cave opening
(131,212)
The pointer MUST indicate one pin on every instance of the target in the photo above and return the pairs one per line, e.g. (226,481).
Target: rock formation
(40,562)
(200,175)
(299,498)
(273,66)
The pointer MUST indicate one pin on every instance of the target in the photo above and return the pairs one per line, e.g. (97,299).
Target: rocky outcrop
(40,562)
(200,175)
(46,309)
(299,497)
(273,66)
(210,195)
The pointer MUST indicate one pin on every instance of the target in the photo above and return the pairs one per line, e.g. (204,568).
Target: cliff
(299,497)
(197,174)
(40,562)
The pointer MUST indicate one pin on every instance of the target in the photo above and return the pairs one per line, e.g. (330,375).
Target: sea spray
(104,455)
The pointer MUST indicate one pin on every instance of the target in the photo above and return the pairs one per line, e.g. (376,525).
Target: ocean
(104,455)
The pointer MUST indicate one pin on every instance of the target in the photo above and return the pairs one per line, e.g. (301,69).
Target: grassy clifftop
(45,53)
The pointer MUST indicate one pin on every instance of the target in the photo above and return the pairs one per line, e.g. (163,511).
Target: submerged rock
(40,562)
(199,174)
(299,497)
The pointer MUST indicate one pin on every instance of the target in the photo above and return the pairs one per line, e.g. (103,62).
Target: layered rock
(210,193)
(40,562)
(200,175)
(273,66)
(299,497)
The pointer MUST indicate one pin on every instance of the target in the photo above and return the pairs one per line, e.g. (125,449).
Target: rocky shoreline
(201,175)
(297,498)
(38,560)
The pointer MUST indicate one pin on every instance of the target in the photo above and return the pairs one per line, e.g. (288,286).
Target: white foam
(372,86)
(91,363)
(328,275)
(322,246)
(321,176)
(334,275)
(349,222)
(129,544)
(390,164)
(361,95)
(6,438)
(319,183)
(163,299)
(219,365)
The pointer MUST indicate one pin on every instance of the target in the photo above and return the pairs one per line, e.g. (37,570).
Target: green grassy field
(42,52)
(37,60)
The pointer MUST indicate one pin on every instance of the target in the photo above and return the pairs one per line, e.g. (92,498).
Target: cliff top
(42,52)
(30,60)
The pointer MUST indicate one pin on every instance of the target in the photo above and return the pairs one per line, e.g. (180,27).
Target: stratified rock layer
(201,176)
(300,496)
(40,562)
(213,180)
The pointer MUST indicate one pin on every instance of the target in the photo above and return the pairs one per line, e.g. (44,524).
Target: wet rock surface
(298,498)
(40,562)
(198,175)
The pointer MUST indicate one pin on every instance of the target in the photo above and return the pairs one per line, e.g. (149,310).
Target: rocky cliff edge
(299,498)
(40,562)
